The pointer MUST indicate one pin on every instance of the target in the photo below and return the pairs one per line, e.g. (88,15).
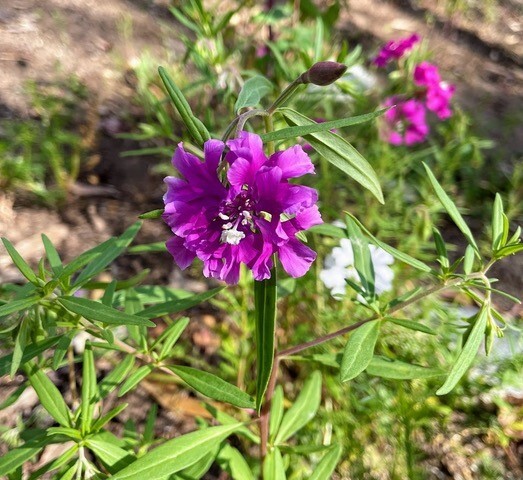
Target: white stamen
(227,226)
(232,237)
(223,216)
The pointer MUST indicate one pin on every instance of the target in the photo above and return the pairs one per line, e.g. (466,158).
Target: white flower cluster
(339,265)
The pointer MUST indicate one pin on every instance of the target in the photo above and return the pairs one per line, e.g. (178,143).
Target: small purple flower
(405,122)
(395,49)
(438,93)
(255,216)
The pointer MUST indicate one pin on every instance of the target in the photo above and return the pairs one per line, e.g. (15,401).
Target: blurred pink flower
(395,49)
(405,123)
(438,93)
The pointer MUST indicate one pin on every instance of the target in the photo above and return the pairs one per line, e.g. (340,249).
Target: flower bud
(323,73)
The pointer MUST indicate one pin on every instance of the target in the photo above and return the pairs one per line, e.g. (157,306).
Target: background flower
(406,122)
(395,49)
(339,265)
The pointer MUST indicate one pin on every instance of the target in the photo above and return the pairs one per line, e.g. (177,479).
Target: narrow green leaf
(468,260)
(403,257)
(198,469)
(17,457)
(20,344)
(226,419)
(17,305)
(176,306)
(135,379)
(328,230)
(213,387)
(20,263)
(265,298)
(497,223)
(176,454)
(196,129)
(171,335)
(52,255)
(509,250)
(300,131)
(88,388)
(115,376)
(441,248)
(233,462)
(411,325)
(451,209)
(276,411)
(148,248)
(30,352)
(13,397)
(65,431)
(113,457)
(302,410)
(96,311)
(148,430)
(61,348)
(468,352)
(396,369)
(327,464)
(253,90)
(359,350)
(152,215)
(55,463)
(273,466)
(111,252)
(50,397)
(104,419)
(362,259)
(339,152)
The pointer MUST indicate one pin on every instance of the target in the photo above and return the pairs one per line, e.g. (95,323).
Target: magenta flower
(395,49)
(255,216)
(438,93)
(405,123)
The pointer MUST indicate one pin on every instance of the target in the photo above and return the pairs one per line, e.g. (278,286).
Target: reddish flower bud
(323,73)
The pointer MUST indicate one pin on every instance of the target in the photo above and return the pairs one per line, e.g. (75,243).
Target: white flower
(339,265)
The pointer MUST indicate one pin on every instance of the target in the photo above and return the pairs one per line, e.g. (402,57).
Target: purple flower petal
(296,258)
(181,255)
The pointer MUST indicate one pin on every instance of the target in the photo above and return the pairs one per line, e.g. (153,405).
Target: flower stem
(285,95)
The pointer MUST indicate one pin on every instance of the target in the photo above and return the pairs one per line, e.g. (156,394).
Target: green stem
(285,95)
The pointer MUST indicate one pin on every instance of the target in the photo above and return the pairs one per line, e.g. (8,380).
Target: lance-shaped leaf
(265,296)
(30,352)
(20,263)
(233,462)
(273,466)
(113,457)
(451,209)
(362,258)
(411,325)
(339,152)
(253,90)
(112,250)
(213,387)
(96,311)
(17,457)
(175,306)
(135,379)
(17,305)
(88,388)
(276,411)
(327,464)
(302,410)
(49,396)
(176,454)
(300,131)
(195,126)
(359,350)
(52,255)
(396,369)
(403,257)
(469,351)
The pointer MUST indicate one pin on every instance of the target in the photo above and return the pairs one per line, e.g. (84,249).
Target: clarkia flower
(257,214)
(395,49)
(405,123)
(438,93)
(339,265)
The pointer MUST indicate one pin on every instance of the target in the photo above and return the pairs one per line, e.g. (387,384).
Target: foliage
(304,384)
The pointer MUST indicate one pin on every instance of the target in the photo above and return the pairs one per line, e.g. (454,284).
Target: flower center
(237,216)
